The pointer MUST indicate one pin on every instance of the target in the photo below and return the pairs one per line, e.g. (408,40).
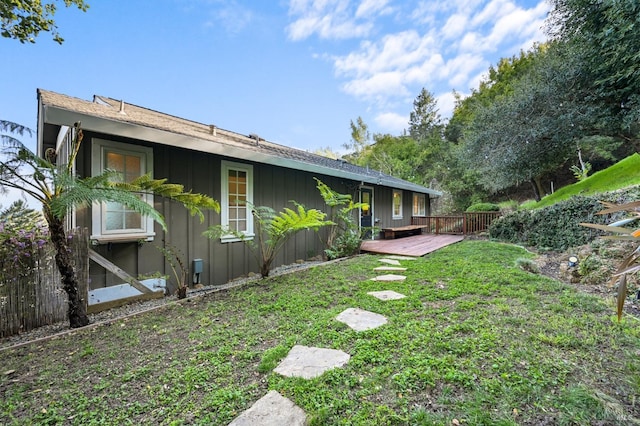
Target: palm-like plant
(631,263)
(58,190)
(344,234)
(273,231)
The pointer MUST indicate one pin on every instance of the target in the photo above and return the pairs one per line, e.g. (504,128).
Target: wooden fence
(31,295)
(462,224)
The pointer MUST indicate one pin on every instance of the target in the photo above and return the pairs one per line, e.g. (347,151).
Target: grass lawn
(476,341)
(623,174)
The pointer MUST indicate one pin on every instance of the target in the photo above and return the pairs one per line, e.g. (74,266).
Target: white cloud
(232,17)
(438,45)
(379,86)
(455,26)
(370,7)
(334,19)
(392,122)
(446,103)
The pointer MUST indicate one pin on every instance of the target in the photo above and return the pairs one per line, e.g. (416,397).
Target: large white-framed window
(419,204)
(237,194)
(114,222)
(397,204)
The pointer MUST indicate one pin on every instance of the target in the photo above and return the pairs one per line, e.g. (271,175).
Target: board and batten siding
(273,186)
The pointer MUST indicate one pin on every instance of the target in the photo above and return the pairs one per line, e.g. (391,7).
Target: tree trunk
(77,312)
(537,188)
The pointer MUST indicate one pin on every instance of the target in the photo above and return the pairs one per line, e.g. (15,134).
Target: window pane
(133,167)
(113,221)
(114,161)
(133,220)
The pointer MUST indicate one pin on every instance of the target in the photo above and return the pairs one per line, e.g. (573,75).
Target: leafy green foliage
(553,228)
(606,32)
(175,260)
(23,20)
(344,234)
(483,207)
(273,230)
(23,231)
(623,174)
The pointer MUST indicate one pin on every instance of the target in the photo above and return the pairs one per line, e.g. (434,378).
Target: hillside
(623,174)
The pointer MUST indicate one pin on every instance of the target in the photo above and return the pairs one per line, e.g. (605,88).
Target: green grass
(477,339)
(621,175)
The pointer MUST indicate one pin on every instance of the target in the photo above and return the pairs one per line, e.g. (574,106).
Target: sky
(295,72)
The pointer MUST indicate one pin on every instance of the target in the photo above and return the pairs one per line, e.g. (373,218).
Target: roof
(112,116)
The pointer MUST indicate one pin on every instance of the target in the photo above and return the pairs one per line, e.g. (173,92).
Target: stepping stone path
(272,409)
(401,257)
(387,295)
(389,269)
(389,277)
(361,320)
(308,362)
(390,261)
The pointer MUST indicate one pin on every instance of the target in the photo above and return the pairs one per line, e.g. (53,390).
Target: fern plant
(273,230)
(344,234)
(54,184)
(631,263)
(179,269)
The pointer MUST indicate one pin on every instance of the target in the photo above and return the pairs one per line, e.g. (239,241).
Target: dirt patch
(592,273)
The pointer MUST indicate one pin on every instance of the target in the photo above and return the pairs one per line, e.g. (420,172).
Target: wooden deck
(417,245)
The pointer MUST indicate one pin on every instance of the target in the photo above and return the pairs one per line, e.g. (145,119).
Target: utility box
(197,266)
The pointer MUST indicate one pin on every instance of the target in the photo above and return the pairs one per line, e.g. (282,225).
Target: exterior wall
(200,172)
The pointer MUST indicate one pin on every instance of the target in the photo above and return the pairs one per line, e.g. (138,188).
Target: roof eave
(60,116)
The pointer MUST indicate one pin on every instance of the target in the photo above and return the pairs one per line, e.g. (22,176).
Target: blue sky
(294,72)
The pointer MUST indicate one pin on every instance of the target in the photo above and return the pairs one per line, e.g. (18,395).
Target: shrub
(555,227)
(484,207)
(22,233)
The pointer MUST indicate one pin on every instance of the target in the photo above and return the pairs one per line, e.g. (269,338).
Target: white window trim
(99,234)
(424,197)
(393,215)
(224,205)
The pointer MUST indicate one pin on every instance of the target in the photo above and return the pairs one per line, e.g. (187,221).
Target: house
(225,165)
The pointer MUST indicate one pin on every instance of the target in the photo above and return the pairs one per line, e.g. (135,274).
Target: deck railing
(461,224)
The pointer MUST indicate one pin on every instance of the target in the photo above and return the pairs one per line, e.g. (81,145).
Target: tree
(533,129)
(424,119)
(360,140)
(23,20)
(607,33)
(273,231)
(59,190)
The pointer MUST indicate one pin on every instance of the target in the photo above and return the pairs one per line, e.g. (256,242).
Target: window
(397,204)
(419,205)
(114,221)
(237,189)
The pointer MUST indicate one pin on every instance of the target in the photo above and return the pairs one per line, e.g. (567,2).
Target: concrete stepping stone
(397,257)
(390,261)
(272,409)
(389,268)
(361,320)
(309,362)
(389,277)
(387,295)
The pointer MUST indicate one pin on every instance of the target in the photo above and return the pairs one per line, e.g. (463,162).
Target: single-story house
(210,160)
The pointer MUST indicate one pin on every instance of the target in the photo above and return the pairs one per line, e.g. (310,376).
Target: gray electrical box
(197,266)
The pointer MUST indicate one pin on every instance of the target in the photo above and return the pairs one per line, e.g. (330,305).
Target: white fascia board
(62,117)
